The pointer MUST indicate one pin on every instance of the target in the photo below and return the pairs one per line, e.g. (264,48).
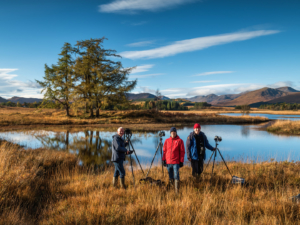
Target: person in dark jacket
(173,157)
(196,144)
(119,152)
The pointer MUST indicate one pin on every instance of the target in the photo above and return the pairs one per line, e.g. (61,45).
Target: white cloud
(205,81)
(282,84)
(140,44)
(143,68)
(132,6)
(213,72)
(147,90)
(10,87)
(195,44)
(146,75)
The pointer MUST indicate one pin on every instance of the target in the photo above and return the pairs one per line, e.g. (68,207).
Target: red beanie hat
(197,125)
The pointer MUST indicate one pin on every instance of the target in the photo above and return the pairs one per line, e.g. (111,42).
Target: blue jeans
(119,168)
(173,170)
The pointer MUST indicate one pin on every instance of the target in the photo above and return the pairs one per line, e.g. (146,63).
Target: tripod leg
(162,164)
(131,166)
(136,157)
(152,161)
(224,161)
(213,164)
(132,172)
(208,162)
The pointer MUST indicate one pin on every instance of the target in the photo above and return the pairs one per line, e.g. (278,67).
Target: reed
(24,117)
(48,187)
(285,127)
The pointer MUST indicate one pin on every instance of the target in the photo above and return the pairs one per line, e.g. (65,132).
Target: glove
(164,163)
(181,164)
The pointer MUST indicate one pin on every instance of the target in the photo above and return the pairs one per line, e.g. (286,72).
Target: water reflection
(245,131)
(240,142)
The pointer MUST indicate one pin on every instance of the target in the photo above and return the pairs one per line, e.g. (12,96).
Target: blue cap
(173,129)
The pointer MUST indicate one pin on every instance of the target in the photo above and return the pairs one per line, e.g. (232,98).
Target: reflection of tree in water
(91,149)
(245,131)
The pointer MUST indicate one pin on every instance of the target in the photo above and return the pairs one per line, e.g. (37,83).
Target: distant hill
(22,100)
(287,89)
(3,100)
(143,96)
(261,95)
(215,99)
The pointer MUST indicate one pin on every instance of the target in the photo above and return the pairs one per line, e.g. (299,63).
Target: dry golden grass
(285,127)
(46,187)
(219,110)
(24,117)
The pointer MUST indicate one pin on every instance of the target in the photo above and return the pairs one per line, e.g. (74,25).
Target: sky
(184,48)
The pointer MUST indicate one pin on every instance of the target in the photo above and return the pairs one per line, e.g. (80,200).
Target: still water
(270,116)
(240,143)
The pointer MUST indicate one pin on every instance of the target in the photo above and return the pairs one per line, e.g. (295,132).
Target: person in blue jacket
(119,152)
(196,144)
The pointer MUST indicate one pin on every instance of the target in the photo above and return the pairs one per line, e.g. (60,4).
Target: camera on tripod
(217,139)
(162,134)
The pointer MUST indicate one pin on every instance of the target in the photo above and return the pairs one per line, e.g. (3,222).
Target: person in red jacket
(173,156)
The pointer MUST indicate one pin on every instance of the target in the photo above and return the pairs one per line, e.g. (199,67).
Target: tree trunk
(97,112)
(67,110)
(91,111)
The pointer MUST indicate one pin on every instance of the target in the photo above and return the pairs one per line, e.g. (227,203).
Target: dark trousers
(197,166)
(119,168)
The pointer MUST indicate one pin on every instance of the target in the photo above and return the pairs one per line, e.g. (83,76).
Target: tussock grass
(285,127)
(47,187)
(22,116)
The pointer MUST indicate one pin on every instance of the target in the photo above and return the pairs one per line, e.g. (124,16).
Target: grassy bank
(218,110)
(47,187)
(25,117)
(285,127)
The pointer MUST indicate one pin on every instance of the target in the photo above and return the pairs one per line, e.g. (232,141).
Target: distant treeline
(164,105)
(18,104)
(281,106)
(242,107)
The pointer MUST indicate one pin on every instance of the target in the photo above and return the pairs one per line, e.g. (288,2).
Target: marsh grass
(48,187)
(24,117)
(285,127)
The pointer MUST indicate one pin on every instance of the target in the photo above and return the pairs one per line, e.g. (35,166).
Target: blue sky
(183,47)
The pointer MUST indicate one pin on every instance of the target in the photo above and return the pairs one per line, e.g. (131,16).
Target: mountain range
(254,98)
(262,96)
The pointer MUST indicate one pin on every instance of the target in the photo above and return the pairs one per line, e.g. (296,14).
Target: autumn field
(13,116)
(49,187)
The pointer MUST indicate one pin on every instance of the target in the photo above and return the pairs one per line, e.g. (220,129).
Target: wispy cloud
(10,87)
(211,73)
(205,81)
(147,75)
(146,89)
(133,6)
(195,44)
(143,68)
(140,44)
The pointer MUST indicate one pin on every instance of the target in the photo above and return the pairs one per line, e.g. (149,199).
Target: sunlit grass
(285,127)
(48,187)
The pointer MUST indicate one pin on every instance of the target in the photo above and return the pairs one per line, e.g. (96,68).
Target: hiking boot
(177,186)
(122,182)
(115,182)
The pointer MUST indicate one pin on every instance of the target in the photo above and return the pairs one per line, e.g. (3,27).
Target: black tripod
(217,139)
(159,146)
(128,135)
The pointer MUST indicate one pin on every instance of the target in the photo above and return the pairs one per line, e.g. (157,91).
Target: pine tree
(102,81)
(58,79)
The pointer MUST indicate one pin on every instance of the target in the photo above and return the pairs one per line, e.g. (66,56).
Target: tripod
(215,155)
(159,146)
(127,138)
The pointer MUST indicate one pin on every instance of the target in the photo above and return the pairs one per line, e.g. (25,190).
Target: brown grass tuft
(48,187)
(285,127)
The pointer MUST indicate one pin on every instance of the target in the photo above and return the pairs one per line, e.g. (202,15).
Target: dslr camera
(128,131)
(217,139)
(162,133)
